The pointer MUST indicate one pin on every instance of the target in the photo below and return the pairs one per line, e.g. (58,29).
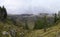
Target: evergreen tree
(38,24)
(26,25)
(45,23)
(0,12)
(25,21)
(55,18)
(35,25)
(4,12)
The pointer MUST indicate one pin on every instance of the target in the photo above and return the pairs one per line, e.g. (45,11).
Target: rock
(5,32)
(22,34)
(12,33)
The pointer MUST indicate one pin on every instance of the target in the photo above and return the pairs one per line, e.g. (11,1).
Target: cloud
(24,6)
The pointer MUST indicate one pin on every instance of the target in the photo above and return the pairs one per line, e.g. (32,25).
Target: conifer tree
(0,12)
(4,12)
(45,23)
(55,18)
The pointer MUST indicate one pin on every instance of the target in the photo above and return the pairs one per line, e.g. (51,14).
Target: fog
(31,6)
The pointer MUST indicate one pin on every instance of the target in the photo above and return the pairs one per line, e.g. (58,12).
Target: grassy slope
(51,32)
(9,25)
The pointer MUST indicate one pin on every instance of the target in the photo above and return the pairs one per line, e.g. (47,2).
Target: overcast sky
(30,6)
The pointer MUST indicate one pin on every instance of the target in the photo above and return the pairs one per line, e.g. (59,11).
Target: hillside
(8,29)
(53,31)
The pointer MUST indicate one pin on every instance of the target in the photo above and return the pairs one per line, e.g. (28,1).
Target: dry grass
(51,32)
